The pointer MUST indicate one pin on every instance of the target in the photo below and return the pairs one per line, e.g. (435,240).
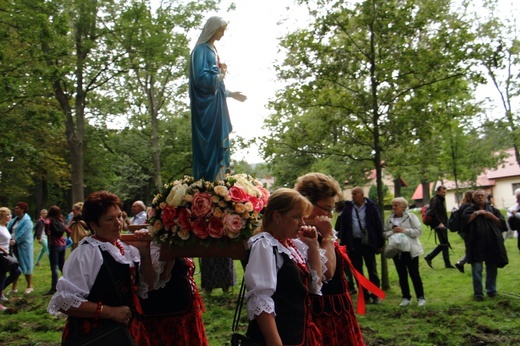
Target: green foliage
(498,53)
(388,195)
(350,106)
(70,70)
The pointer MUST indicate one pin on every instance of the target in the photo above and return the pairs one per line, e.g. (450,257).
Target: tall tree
(73,39)
(349,89)
(33,149)
(499,54)
(354,73)
(157,52)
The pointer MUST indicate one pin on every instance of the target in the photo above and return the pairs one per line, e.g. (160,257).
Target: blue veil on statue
(210,121)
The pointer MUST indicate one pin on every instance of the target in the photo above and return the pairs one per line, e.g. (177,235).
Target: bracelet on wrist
(99,308)
(329,238)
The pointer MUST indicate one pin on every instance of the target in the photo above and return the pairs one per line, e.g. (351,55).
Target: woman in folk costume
(283,271)
(173,310)
(103,277)
(210,121)
(333,310)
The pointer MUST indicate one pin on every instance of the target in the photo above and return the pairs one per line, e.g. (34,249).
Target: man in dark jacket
(439,225)
(360,228)
(484,243)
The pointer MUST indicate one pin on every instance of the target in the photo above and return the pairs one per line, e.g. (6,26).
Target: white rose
(176,196)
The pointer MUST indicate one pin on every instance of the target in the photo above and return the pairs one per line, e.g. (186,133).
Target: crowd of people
(301,269)
(295,277)
(18,234)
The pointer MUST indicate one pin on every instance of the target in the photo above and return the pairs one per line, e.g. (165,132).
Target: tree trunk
(76,168)
(156,155)
(397,187)
(426,192)
(40,195)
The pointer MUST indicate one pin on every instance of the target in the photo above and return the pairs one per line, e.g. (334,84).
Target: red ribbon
(362,281)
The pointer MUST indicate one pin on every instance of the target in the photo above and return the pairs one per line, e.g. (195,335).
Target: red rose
(233,223)
(216,227)
(184,219)
(168,216)
(201,204)
(258,203)
(237,194)
(200,229)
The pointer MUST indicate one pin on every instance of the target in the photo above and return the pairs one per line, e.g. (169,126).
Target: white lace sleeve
(317,282)
(81,270)
(323,260)
(261,276)
(158,266)
(79,273)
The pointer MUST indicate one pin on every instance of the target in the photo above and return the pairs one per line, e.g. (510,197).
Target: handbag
(8,262)
(364,231)
(238,339)
(397,242)
(110,334)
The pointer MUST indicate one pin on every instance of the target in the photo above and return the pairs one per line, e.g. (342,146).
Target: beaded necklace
(300,261)
(117,243)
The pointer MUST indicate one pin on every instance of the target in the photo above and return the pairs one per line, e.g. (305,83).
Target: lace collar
(131,253)
(302,248)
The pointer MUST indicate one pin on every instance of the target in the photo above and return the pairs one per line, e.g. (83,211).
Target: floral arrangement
(190,211)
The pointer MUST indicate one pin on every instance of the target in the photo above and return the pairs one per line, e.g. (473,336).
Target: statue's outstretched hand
(237,95)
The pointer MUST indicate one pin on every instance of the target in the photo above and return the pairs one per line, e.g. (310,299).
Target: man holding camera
(360,228)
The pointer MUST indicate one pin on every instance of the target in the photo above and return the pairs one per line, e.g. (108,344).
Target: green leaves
(370,83)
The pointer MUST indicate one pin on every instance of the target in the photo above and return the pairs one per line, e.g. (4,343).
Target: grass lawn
(450,317)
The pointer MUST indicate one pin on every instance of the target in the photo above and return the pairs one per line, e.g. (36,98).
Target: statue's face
(219,33)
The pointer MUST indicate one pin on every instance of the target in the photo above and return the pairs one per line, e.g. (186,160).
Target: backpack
(427,219)
(454,221)
(56,228)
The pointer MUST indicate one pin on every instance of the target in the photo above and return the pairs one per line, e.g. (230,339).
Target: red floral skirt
(182,330)
(339,325)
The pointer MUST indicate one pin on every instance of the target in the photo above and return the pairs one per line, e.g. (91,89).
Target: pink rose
(216,228)
(265,194)
(201,204)
(184,219)
(233,223)
(237,194)
(200,229)
(168,216)
(258,203)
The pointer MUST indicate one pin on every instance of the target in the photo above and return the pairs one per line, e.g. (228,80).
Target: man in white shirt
(139,218)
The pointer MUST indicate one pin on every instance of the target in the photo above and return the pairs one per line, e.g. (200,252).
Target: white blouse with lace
(81,269)
(158,266)
(262,269)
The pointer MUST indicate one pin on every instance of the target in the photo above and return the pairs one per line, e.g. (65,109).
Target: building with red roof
(501,182)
